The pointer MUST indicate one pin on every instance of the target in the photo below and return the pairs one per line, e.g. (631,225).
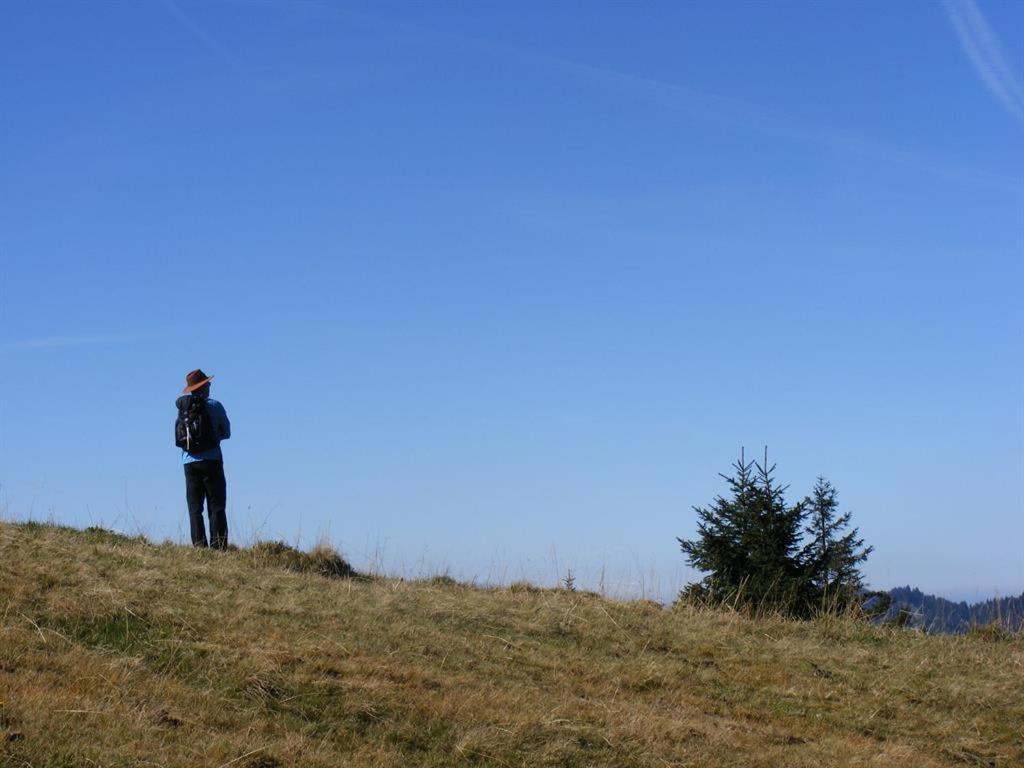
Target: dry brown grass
(117,652)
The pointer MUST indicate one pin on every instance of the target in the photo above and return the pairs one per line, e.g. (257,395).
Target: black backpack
(193,429)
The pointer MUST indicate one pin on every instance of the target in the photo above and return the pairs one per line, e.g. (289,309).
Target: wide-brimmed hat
(195,380)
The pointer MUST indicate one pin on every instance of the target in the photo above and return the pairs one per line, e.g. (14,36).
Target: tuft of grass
(122,632)
(98,535)
(131,653)
(524,587)
(322,559)
(443,580)
(994,632)
(38,527)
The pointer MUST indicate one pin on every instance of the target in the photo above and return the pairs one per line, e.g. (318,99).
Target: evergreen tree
(749,544)
(723,528)
(832,557)
(778,577)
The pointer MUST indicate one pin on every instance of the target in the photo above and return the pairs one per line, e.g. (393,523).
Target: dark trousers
(204,480)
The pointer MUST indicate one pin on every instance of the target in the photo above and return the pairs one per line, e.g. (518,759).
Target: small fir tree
(833,555)
(722,530)
(749,543)
(779,578)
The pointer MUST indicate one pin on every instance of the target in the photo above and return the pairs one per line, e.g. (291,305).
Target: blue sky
(501,287)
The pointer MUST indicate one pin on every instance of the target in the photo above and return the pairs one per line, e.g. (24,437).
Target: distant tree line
(913,608)
(758,551)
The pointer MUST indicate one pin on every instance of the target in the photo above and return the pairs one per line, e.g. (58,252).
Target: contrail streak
(208,40)
(985,53)
(685,100)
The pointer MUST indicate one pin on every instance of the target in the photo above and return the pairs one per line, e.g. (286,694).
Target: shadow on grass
(165,649)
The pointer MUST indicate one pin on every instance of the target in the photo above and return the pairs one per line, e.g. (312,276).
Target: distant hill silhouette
(937,614)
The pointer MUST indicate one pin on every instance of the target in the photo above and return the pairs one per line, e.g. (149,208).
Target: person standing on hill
(201,425)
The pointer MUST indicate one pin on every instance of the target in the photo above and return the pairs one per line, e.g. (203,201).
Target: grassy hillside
(117,652)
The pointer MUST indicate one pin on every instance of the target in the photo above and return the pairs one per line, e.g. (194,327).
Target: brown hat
(195,380)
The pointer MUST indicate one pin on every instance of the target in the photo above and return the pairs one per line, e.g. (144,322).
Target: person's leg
(195,492)
(216,503)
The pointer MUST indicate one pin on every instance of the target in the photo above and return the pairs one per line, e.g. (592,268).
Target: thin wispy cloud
(696,104)
(760,118)
(984,51)
(209,41)
(85,340)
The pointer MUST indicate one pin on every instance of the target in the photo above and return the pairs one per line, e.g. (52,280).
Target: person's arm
(223,425)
